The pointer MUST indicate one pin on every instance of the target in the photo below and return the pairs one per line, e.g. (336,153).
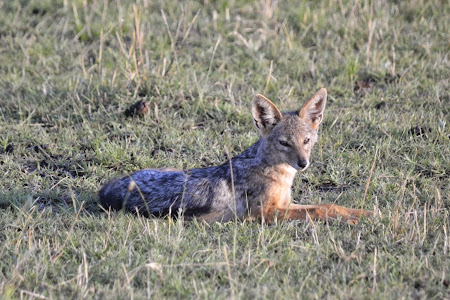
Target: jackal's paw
(348,215)
(356,214)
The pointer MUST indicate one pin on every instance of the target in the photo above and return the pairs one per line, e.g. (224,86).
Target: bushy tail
(112,194)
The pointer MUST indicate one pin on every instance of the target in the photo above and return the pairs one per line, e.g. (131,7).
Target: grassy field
(69,70)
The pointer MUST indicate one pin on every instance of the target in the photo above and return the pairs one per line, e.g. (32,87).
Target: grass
(69,70)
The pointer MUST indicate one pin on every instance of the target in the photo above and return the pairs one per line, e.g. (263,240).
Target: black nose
(302,163)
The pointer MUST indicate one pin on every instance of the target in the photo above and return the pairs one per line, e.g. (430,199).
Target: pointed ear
(265,114)
(312,111)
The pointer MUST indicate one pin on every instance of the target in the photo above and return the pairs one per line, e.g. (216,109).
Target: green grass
(69,70)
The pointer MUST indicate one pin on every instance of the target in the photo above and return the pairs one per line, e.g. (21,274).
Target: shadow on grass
(59,201)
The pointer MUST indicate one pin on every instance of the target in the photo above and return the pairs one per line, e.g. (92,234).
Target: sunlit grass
(69,70)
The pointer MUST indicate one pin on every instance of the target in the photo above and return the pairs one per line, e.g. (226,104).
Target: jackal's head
(289,136)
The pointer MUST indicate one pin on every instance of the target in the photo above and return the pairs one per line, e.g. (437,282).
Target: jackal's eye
(284,143)
(306,141)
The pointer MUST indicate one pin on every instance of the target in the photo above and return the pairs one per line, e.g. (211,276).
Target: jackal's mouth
(299,168)
(306,167)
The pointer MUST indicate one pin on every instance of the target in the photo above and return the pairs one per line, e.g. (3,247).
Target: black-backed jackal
(256,183)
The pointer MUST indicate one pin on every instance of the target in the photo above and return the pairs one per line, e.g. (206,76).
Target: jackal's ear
(312,111)
(265,114)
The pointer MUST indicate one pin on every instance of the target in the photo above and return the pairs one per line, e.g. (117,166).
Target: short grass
(70,68)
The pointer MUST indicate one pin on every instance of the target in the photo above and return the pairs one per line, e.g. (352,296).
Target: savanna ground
(70,69)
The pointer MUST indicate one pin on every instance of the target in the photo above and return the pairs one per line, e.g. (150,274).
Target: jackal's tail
(112,195)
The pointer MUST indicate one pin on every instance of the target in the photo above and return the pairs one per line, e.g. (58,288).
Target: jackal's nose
(302,163)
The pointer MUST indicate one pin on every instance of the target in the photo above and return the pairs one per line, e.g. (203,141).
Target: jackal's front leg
(324,212)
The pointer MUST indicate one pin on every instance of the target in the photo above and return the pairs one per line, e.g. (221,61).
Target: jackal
(255,184)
